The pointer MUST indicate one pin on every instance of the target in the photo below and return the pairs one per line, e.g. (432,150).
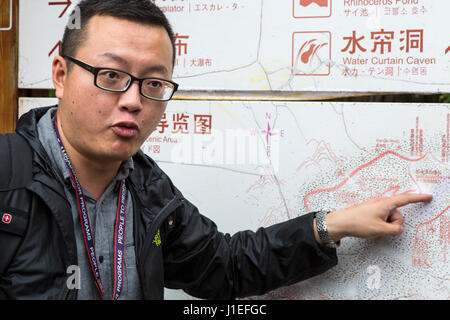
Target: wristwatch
(321,226)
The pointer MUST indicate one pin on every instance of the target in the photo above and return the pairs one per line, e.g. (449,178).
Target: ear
(59,75)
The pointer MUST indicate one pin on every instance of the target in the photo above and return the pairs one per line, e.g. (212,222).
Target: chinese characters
(202,124)
(382,41)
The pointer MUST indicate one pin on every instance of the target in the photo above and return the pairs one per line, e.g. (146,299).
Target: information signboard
(247,165)
(295,45)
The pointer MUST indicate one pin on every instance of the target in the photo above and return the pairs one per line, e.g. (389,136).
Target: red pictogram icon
(320,3)
(6,218)
(311,8)
(311,53)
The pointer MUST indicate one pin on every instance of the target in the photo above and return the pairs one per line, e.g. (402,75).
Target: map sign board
(252,164)
(287,46)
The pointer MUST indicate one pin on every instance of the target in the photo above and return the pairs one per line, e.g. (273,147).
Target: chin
(126,155)
(123,156)
(123,152)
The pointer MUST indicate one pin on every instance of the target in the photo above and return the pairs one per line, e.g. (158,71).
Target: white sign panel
(291,45)
(251,164)
(275,161)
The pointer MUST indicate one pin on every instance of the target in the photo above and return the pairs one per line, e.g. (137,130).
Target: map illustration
(274,161)
(248,165)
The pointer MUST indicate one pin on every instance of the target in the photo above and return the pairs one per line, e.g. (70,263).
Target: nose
(131,100)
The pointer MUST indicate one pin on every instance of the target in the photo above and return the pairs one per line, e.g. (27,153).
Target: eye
(155,84)
(111,75)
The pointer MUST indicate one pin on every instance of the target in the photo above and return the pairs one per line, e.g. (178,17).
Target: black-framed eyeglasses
(115,80)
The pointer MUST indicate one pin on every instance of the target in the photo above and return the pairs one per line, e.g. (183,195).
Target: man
(97,205)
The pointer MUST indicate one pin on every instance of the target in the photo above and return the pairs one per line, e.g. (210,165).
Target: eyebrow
(150,69)
(157,69)
(115,57)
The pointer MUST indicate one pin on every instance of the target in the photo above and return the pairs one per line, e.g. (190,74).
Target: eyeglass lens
(118,81)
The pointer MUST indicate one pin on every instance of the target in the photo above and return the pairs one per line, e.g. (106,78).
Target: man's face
(96,123)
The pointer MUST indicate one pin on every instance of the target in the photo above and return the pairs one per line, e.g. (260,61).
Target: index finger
(404,199)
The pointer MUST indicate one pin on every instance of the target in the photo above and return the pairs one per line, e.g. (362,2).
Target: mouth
(125,129)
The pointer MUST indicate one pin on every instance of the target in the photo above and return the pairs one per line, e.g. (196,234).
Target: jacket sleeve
(211,265)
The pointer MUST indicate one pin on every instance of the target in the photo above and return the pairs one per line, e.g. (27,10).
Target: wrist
(322,232)
(336,229)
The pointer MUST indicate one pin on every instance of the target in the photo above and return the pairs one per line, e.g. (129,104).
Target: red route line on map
(395,188)
(428,222)
(359,169)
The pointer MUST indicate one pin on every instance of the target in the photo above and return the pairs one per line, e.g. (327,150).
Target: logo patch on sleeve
(6,218)
(13,220)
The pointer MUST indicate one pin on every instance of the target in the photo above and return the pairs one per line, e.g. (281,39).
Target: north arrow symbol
(68,3)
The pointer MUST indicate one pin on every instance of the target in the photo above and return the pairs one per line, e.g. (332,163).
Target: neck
(93,174)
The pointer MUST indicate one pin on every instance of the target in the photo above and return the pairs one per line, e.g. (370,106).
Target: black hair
(139,11)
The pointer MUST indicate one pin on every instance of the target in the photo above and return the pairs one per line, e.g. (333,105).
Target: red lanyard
(119,234)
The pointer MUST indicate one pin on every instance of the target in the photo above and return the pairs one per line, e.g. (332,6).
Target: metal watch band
(321,226)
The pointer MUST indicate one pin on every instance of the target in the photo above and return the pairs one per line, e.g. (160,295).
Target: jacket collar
(27,127)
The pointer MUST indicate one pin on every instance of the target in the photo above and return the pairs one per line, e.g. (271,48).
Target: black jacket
(192,254)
